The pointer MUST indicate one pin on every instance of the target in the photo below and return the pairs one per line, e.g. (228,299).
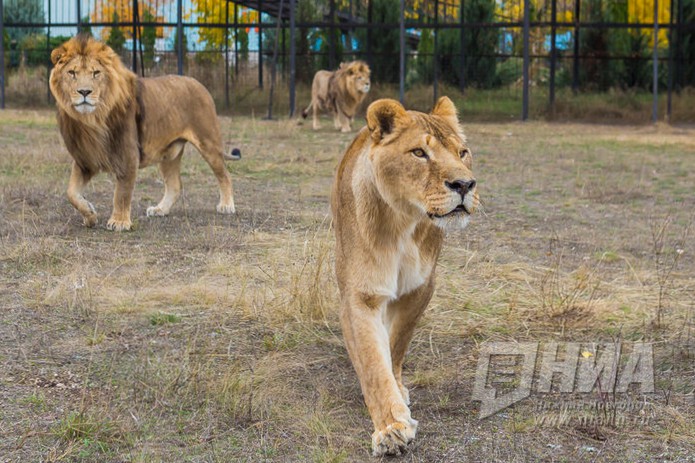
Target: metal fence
(584,45)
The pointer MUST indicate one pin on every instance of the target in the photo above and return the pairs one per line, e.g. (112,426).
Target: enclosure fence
(579,45)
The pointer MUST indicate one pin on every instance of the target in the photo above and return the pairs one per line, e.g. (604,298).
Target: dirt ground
(207,338)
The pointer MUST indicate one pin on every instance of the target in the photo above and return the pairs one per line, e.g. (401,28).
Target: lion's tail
(305,113)
(233,155)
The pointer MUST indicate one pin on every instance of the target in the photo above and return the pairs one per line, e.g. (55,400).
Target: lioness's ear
(57,54)
(445,108)
(384,117)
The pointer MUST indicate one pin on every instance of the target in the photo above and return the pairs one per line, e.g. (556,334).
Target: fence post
(370,61)
(135,36)
(670,63)
(2,56)
(435,58)
(655,64)
(293,52)
(401,64)
(575,67)
(527,26)
(462,39)
(331,37)
(553,55)
(179,37)
(48,54)
(236,41)
(226,54)
(260,44)
(79,16)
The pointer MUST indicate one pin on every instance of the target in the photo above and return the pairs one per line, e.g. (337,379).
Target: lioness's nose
(84,91)
(461,186)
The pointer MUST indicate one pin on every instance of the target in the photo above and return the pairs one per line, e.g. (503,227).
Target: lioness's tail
(305,113)
(233,155)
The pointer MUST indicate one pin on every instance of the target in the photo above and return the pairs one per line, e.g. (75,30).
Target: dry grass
(198,337)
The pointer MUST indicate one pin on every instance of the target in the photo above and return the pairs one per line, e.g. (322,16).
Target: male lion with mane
(404,179)
(340,93)
(113,121)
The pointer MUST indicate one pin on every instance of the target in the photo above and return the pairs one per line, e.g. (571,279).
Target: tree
(148,38)
(116,38)
(385,43)
(23,11)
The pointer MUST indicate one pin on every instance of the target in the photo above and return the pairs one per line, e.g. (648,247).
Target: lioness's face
(423,164)
(82,79)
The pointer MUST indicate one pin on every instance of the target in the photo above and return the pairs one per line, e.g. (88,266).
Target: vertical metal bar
(526,32)
(679,49)
(575,67)
(435,58)
(179,37)
(462,39)
(293,53)
(2,56)
(226,54)
(48,53)
(79,16)
(670,63)
(274,62)
(553,55)
(401,64)
(260,44)
(370,61)
(655,64)
(135,36)
(236,40)
(331,37)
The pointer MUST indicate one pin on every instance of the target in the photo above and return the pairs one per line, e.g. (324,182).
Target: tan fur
(340,92)
(404,179)
(115,122)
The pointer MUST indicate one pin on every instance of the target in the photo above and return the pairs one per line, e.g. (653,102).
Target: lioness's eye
(419,153)
(464,152)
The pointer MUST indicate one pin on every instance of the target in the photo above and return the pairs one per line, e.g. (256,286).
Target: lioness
(403,180)
(113,121)
(340,92)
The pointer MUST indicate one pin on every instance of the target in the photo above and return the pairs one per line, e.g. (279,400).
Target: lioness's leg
(122,197)
(214,156)
(367,342)
(401,317)
(315,115)
(78,180)
(171,172)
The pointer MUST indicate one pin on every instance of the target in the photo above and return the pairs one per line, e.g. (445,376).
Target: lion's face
(421,162)
(87,77)
(357,74)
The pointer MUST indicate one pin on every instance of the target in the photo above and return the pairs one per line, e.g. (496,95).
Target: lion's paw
(226,208)
(345,130)
(90,219)
(394,439)
(155,211)
(119,225)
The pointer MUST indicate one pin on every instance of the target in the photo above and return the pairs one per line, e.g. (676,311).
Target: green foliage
(36,51)
(385,43)
(424,59)
(23,11)
(85,26)
(685,58)
(480,45)
(149,37)
(116,38)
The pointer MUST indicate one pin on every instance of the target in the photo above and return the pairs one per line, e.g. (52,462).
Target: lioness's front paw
(119,225)
(394,439)
(226,208)
(155,211)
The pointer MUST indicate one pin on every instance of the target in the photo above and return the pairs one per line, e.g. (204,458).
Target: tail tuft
(234,155)
(305,113)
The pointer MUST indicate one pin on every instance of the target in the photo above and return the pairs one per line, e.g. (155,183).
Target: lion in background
(340,92)
(115,122)
(405,179)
